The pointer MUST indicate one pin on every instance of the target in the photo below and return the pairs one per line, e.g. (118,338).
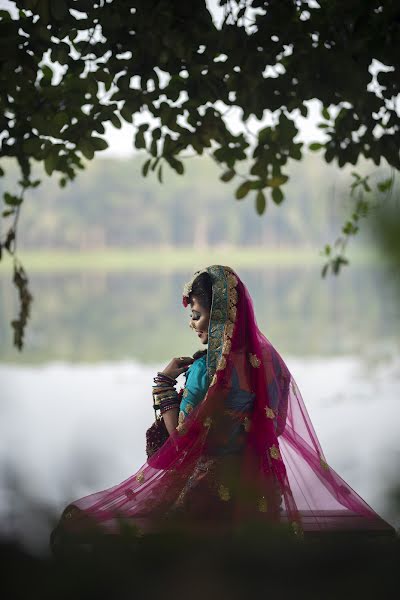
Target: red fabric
(281,474)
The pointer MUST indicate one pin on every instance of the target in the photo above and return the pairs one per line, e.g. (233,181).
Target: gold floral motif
(232,279)
(223,492)
(185,393)
(270,413)
(232,313)
(274,452)
(140,477)
(181,418)
(207,422)
(213,380)
(221,363)
(189,408)
(262,504)
(217,315)
(254,360)
(226,348)
(247,424)
(218,288)
(324,464)
(233,296)
(187,288)
(229,329)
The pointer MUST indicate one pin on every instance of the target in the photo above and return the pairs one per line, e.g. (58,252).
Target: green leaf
(98,143)
(115,120)
(177,165)
(140,142)
(365,185)
(277,195)
(242,190)
(385,185)
(228,175)
(261,202)
(325,113)
(50,162)
(146,166)
(155,163)
(8,212)
(329,154)
(315,146)
(277,181)
(11,200)
(159,174)
(126,114)
(86,148)
(153,148)
(47,72)
(303,110)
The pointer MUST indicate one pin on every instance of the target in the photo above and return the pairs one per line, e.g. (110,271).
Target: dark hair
(202,289)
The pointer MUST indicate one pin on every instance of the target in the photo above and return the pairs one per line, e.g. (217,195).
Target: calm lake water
(75,404)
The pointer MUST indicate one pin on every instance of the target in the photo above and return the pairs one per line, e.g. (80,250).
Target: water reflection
(92,316)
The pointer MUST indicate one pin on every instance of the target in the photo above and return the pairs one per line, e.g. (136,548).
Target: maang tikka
(187,288)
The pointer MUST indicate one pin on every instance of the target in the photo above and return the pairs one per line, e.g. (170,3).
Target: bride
(234,445)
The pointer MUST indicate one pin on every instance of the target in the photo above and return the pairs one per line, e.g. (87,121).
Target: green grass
(174,259)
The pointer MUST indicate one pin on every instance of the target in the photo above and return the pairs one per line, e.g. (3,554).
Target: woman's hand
(178,366)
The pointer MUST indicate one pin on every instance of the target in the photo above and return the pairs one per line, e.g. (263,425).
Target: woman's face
(199,320)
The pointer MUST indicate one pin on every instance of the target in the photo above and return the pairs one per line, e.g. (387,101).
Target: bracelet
(170,394)
(169,400)
(168,407)
(163,377)
(164,392)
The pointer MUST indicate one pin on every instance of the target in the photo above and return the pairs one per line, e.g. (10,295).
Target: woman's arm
(194,391)
(171,419)
(164,393)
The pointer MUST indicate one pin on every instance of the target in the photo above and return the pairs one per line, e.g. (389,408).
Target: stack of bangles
(165,395)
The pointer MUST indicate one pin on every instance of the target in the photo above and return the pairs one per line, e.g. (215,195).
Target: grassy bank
(175,259)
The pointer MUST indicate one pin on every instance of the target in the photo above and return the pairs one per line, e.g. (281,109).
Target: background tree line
(111,205)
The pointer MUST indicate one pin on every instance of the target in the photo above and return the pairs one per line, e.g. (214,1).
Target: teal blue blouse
(238,400)
(196,385)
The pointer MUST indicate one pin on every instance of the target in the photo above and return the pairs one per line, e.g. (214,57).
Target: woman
(240,445)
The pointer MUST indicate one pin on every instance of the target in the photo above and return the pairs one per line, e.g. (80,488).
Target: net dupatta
(277,471)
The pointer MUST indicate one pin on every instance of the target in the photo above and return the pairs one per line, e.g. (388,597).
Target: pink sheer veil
(281,475)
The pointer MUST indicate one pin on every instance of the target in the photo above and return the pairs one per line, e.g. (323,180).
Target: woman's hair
(202,289)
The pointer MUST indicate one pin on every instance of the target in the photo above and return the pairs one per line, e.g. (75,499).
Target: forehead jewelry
(187,288)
